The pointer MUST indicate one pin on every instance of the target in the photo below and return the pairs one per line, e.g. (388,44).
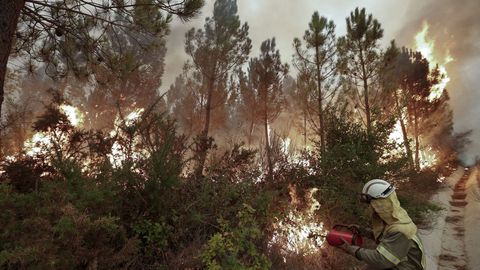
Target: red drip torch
(350,234)
(339,231)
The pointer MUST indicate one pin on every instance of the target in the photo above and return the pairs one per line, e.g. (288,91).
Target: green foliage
(351,159)
(415,195)
(354,154)
(61,33)
(55,234)
(149,18)
(154,236)
(23,175)
(64,226)
(266,74)
(360,60)
(234,247)
(418,208)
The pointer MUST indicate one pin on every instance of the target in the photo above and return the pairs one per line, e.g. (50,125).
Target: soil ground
(453,240)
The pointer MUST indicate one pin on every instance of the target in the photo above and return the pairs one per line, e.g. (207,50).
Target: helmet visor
(387,191)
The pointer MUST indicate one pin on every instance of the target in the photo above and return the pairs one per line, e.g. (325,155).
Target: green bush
(235,247)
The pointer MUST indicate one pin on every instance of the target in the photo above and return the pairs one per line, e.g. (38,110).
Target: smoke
(454,25)
(284,20)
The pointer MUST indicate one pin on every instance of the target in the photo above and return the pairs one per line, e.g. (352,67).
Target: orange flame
(74,115)
(294,232)
(426,47)
(41,141)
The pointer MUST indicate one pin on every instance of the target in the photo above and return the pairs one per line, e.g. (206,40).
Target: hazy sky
(285,20)
(455,27)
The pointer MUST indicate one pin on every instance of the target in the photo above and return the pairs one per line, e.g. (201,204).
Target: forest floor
(452,240)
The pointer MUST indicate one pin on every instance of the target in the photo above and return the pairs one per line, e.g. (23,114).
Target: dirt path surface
(472,220)
(432,237)
(453,254)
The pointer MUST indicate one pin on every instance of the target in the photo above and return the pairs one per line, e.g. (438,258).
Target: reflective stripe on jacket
(395,251)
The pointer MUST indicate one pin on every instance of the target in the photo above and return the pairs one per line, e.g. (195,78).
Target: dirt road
(453,241)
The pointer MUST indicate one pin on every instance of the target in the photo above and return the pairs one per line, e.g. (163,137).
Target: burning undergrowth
(300,231)
(132,188)
(134,184)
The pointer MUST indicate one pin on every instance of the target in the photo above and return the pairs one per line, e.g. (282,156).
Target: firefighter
(398,245)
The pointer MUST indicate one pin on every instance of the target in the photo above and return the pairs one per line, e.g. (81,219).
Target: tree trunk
(406,143)
(250,132)
(267,148)
(305,129)
(267,138)
(204,143)
(417,143)
(320,103)
(9,13)
(365,94)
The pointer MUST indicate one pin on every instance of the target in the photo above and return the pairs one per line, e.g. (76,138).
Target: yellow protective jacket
(399,246)
(395,251)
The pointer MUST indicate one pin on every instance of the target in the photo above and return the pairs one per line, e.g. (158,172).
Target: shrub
(235,247)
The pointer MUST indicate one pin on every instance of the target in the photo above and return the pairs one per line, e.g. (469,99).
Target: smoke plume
(454,26)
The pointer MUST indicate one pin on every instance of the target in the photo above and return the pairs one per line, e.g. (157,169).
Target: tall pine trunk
(267,148)
(305,128)
(417,141)
(320,103)
(9,13)
(252,124)
(204,141)
(406,143)
(267,138)
(365,94)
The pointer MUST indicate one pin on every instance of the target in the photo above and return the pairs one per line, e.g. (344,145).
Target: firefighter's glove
(362,231)
(347,248)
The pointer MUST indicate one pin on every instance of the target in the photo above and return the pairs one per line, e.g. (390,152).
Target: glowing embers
(295,233)
(427,48)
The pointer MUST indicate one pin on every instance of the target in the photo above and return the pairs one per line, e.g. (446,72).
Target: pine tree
(319,38)
(302,97)
(183,104)
(67,35)
(412,81)
(217,49)
(266,74)
(361,58)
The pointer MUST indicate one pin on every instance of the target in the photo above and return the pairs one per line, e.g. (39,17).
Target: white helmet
(376,189)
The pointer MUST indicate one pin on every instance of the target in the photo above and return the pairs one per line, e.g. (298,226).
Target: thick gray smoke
(454,25)
(284,20)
